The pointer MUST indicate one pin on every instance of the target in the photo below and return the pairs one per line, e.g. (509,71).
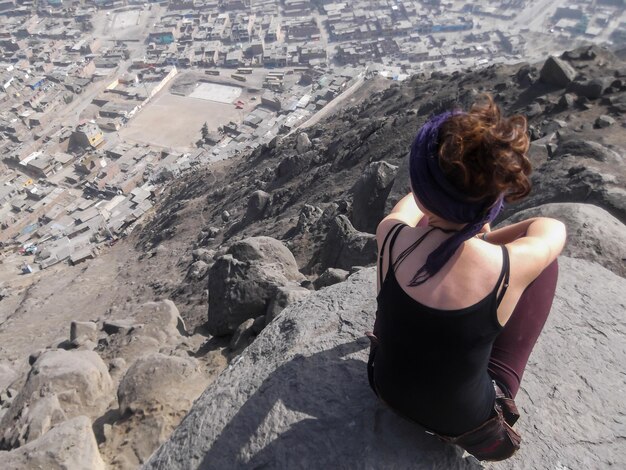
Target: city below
(102,102)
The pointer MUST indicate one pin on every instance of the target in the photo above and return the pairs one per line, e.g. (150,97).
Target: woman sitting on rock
(460,307)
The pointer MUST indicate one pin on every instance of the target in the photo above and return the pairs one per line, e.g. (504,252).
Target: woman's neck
(435,221)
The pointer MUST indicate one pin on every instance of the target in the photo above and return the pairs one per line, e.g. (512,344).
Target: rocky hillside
(312,190)
(241,246)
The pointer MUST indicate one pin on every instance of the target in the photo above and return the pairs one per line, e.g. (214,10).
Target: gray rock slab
(298,397)
(592,233)
(588,149)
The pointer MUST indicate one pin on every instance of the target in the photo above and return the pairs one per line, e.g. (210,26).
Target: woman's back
(451,315)
(432,359)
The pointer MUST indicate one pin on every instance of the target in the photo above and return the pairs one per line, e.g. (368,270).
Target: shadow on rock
(319,412)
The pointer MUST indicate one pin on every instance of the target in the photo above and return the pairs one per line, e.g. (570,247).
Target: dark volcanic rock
(331,277)
(243,282)
(284,297)
(345,246)
(557,72)
(533,109)
(604,121)
(298,397)
(257,204)
(591,89)
(370,194)
(293,165)
(401,185)
(566,101)
(618,103)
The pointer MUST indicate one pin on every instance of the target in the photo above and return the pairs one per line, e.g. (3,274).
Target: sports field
(173,121)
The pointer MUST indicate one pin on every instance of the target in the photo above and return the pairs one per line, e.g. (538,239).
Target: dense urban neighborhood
(102,101)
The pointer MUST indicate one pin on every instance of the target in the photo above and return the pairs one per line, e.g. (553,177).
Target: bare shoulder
(532,253)
(384,227)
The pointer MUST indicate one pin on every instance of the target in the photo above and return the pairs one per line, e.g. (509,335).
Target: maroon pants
(515,342)
(513,346)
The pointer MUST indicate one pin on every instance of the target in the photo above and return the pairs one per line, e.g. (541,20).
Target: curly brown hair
(484,154)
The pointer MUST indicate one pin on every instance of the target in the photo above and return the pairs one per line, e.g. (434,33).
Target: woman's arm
(533,244)
(508,234)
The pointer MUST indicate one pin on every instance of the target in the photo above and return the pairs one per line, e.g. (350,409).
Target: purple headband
(440,197)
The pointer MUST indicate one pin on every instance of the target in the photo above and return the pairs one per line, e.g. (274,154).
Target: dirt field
(174,121)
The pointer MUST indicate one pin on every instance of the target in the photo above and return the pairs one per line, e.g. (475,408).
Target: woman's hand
(486,229)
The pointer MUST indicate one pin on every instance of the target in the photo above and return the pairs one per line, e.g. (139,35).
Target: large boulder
(346,247)
(557,72)
(243,282)
(159,320)
(80,383)
(298,397)
(257,204)
(592,233)
(152,327)
(370,194)
(156,381)
(303,143)
(70,445)
(154,395)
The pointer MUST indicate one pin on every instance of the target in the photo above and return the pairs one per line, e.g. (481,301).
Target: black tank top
(431,364)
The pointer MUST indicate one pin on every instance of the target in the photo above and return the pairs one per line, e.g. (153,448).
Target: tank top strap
(407,250)
(392,243)
(503,279)
(382,249)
